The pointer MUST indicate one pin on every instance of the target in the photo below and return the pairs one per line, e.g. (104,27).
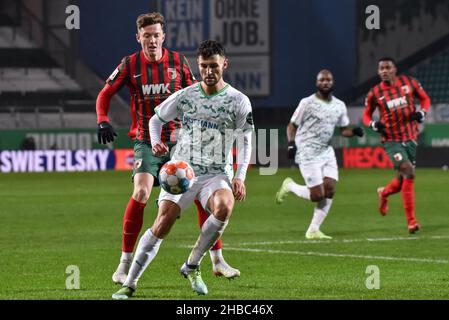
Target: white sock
(299,190)
(210,232)
(126,256)
(216,256)
(146,251)
(125,261)
(319,214)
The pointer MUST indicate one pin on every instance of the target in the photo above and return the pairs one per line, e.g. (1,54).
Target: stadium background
(50,76)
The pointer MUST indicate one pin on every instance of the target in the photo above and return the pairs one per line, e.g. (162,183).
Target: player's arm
(349,132)
(163,113)
(245,123)
(291,145)
(291,132)
(114,83)
(243,160)
(292,127)
(367,117)
(424,99)
(345,129)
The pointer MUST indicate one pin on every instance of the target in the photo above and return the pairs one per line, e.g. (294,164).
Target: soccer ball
(176,176)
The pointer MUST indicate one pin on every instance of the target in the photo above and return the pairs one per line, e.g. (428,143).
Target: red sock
(202,217)
(393,187)
(408,198)
(132,224)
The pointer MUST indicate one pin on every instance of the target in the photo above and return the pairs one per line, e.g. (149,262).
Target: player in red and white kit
(152,74)
(398,126)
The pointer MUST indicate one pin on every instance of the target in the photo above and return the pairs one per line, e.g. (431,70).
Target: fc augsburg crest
(137,164)
(171,73)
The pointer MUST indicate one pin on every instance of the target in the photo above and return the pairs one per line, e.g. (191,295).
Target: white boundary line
(342,240)
(338,255)
(323,254)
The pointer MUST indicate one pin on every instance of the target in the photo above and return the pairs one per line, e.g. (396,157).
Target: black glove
(105,132)
(378,127)
(291,150)
(358,131)
(419,116)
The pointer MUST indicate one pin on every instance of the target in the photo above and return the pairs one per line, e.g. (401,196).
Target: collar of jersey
(332,98)
(213,95)
(385,86)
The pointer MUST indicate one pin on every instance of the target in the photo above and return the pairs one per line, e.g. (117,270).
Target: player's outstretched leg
(193,273)
(283,190)
(211,230)
(393,187)
(383,201)
(408,197)
(132,224)
(288,185)
(147,249)
(219,266)
(321,210)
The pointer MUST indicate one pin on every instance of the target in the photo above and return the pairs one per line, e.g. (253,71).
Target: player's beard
(326,92)
(211,82)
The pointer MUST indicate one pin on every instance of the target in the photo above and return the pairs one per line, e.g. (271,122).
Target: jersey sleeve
(370,106)
(168,110)
(120,75)
(187,75)
(419,92)
(244,156)
(118,78)
(296,118)
(343,121)
(244,119)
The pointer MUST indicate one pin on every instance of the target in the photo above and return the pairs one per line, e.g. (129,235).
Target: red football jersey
(149,84)
(396,104)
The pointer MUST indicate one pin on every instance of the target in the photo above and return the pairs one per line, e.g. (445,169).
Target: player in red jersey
(398,126)
(151,74)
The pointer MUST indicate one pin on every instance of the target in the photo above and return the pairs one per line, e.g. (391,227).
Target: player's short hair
(387,59)
(208,48)
(148,19)
(324,71)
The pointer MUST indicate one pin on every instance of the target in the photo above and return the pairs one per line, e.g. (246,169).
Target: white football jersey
(316,120)
(209,125)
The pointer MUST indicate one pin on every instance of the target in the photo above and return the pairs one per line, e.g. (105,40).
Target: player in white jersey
(213,114)
(309,133)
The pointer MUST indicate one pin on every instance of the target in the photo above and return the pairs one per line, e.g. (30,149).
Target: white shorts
(202,189)
(313,173)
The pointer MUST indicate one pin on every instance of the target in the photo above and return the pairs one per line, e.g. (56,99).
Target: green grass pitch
(53,220)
